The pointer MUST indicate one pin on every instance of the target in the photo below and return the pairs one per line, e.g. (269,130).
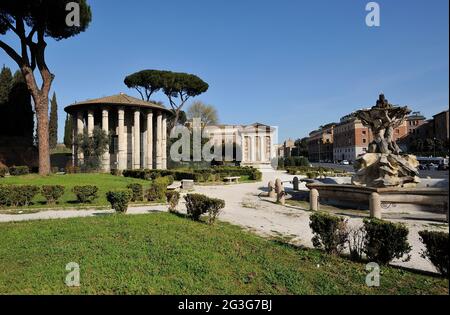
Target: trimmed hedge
(158,188)
(119,199)
(19,170)
(197,205)
(85,194)
(213,174)
(17,195)
(52,193)
(330,232)
(385,241)
(138,192)
(436,249)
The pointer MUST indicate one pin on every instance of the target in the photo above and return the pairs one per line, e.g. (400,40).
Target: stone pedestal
(386,170)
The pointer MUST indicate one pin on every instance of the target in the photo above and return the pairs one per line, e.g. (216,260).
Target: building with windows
(320,144)
(137,131)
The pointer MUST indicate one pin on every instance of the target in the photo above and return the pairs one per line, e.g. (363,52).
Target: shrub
(215,207)
(3,170)
(158,189)
(385,241)
(119,199)
(138,192)
(197,205)
(436,249)
(52,193)
(356,243)
(116,172)
(19,170)
(330,232)
(85,194)
(5,196)
(173,197)
(72,169)
(22,195)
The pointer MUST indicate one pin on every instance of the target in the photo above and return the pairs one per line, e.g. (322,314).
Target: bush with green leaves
(19,170)
(5,196)
(3,171)
(119,199)
(138,192)
(215,207)
(330,232)
(385,241)
(52,193)
(85,194)
(22,195)
(197,205)
(173,198)
(436,249)
(158,189)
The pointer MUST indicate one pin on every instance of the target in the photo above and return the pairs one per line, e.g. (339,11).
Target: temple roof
(116,100)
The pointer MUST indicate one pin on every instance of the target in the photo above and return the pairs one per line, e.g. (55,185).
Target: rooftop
(117,100)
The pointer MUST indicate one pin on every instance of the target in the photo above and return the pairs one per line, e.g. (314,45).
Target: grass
(167,254)
(104,182)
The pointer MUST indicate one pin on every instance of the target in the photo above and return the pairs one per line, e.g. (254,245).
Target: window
(364,141)
(364,132)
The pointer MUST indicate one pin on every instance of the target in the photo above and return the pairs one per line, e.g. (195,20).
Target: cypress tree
(21,115)
(68,137)
(5,84)
(53,123)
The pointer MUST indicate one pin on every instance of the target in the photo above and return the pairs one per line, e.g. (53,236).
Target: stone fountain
(385,179)
(384,165)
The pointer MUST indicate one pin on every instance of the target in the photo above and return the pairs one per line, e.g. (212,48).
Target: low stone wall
(378,200)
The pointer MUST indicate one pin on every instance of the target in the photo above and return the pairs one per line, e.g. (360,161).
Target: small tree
(68,135)
(207,113)
(5,84)
(93,148)
(53,123)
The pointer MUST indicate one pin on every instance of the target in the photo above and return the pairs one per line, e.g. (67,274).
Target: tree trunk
(40,98)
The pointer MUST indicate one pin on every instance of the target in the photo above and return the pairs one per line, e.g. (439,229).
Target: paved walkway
(246,207)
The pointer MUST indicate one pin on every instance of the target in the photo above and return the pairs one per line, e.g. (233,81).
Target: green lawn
(104,182)
(166,254)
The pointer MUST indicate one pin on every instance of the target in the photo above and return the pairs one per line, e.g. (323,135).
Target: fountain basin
(379,200)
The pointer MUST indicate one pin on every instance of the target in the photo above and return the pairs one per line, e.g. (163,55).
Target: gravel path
(246,206)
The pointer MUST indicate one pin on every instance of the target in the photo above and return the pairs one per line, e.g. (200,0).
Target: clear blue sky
(296,64)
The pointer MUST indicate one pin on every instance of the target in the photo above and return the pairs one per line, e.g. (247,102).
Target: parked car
(345,162)
(443,167)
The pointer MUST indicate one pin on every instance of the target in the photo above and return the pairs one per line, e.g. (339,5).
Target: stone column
(105,127)
(90,123)
(121,154)
(262,143)
(149,149)
(80,130)
(253,149)
(137,140)
(164,142)
(314,200)
(159,141)
(375,206)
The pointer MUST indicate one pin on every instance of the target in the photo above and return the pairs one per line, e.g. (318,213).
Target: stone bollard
(296,183)
(282,198)
(314,200)
(375,206)
(272,193)
(278,186)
